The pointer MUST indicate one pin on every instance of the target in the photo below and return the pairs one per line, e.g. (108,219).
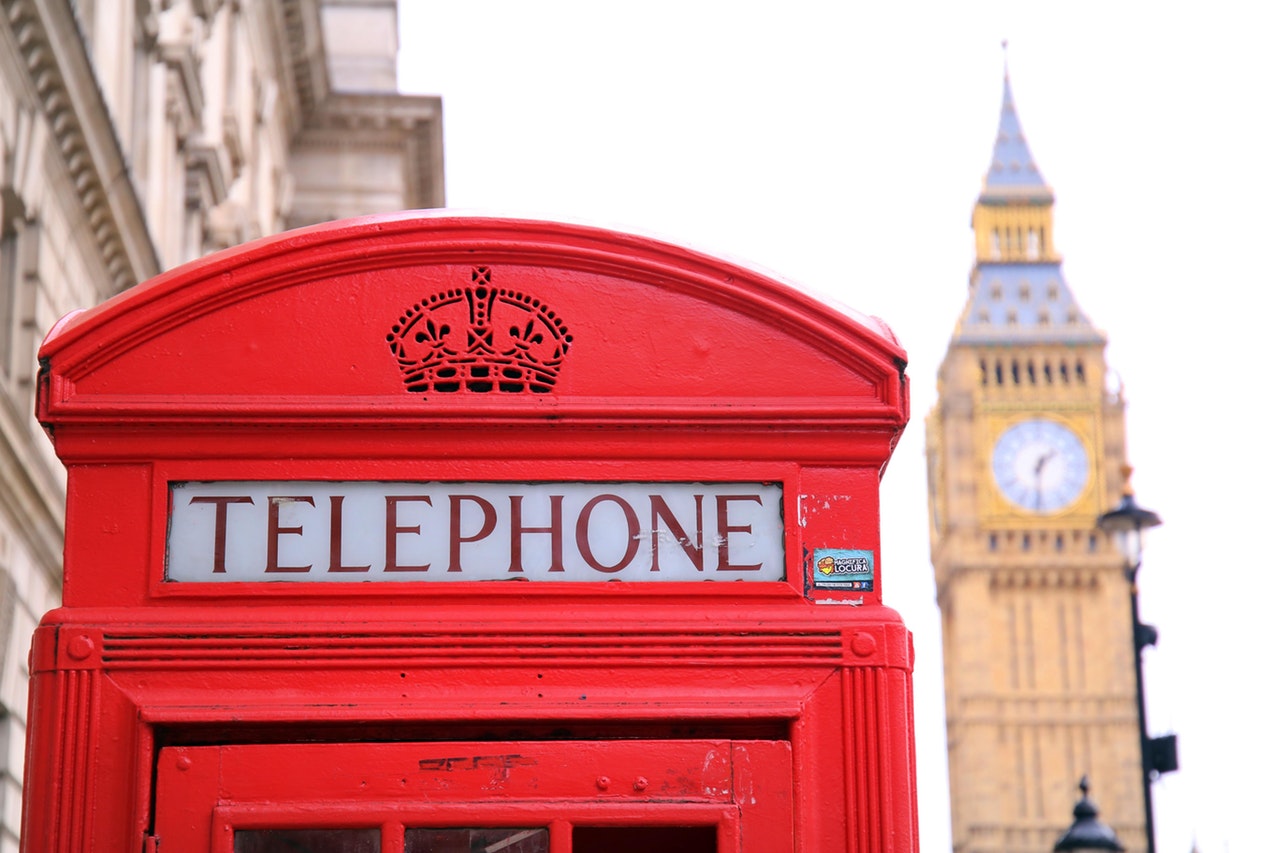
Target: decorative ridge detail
(304,62)
(479,339)
(761,648)
(71,139)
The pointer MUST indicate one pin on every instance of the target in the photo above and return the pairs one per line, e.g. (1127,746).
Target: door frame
(396,817)
(744,788)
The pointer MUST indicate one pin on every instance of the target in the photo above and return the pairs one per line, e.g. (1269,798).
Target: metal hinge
(151,844)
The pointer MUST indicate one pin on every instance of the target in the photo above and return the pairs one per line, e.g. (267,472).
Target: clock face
(1040,465)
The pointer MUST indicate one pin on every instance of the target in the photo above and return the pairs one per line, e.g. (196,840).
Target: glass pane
(477,841)
(644,839)
(308,840)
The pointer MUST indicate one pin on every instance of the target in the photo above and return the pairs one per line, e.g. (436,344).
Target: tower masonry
(1025,447)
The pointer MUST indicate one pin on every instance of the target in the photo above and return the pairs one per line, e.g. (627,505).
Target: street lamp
(1087,832)
(1126,524)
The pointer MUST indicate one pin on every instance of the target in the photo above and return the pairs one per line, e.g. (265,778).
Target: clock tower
(1026,447)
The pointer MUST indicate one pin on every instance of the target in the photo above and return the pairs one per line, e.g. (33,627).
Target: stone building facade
(136,135)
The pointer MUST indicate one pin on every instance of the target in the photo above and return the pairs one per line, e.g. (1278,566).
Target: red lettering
(658,508)
(275,531)
(584,526)
(394,530)
(455,526)
(335,538)
(725,529)
(220,525)
(556,530)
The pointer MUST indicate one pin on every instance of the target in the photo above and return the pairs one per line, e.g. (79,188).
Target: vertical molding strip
(868,798)
(79,719)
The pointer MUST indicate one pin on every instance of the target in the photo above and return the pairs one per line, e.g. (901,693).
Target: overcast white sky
(842,146)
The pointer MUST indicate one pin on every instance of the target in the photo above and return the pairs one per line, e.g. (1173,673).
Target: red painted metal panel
(205,794)
(571,354)
(300,324)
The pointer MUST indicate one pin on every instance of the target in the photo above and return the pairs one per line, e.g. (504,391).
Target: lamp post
(1086,831)
(1126,524)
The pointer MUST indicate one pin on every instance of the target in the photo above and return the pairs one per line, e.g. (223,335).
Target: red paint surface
(272,362)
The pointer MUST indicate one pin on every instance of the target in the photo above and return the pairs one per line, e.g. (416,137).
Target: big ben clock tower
(1026,447)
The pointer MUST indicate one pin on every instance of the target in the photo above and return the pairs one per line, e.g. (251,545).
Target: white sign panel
(365,531)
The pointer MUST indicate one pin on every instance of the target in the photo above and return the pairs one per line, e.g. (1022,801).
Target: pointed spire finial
(1013,173)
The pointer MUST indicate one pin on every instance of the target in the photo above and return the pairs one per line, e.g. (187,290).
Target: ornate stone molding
(410,123)
(186,95)
(303,72)
(62,76)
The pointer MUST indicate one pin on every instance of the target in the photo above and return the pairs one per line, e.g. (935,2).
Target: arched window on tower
(995,243)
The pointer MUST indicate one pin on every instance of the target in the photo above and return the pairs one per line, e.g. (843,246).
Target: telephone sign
(569,532)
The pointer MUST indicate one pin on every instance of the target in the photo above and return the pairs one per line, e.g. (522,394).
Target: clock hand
(1040,463)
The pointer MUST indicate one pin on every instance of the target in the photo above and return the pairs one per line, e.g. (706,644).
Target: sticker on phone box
(842,568)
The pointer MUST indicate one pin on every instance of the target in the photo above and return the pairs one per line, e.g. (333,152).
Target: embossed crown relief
(479,339)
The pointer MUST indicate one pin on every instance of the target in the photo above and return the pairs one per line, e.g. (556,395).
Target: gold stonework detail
(1014,233)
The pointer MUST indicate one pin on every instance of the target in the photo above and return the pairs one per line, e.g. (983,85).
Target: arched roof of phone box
(412,319)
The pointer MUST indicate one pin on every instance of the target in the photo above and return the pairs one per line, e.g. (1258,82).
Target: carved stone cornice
(1034,577)
(186,95)
(207,180)
(61,74)
(302,70)
(206,8)
(411,123)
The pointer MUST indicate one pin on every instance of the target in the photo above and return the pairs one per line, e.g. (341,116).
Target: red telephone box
(429,533)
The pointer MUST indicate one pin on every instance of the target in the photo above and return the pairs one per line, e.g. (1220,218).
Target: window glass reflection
(476,841)
(308,841)
(644,839)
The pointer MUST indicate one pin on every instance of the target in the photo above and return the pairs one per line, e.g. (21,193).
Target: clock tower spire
(1013,219)
(1025,448)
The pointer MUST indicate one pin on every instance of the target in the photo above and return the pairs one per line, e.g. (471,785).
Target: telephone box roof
(364,319)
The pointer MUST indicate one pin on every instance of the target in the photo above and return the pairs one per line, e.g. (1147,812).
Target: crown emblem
(479,339)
